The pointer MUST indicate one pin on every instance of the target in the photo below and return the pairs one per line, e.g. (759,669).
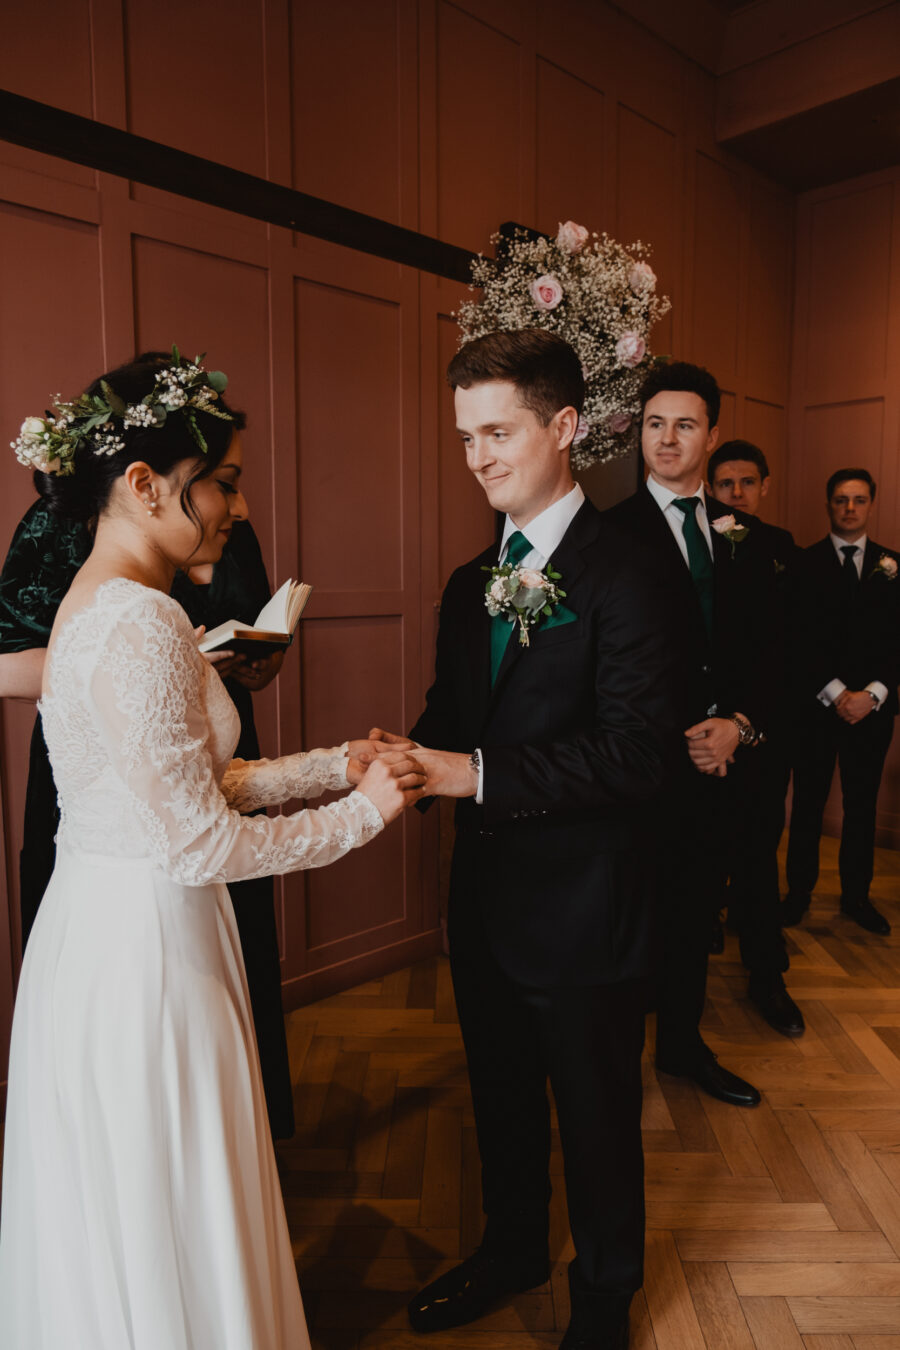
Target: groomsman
(847,665)
(738,476)
(555,748)
(722,603)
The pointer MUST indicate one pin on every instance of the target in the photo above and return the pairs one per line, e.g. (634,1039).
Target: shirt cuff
(479,791)
(831,692)
(879,690)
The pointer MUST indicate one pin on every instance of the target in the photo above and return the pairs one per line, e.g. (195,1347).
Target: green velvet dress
(43,558)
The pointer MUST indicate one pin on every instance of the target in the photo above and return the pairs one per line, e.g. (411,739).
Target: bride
(141,1203)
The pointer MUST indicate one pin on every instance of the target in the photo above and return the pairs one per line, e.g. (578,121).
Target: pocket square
(559,616)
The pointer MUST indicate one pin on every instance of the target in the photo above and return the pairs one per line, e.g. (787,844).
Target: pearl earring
(151,505)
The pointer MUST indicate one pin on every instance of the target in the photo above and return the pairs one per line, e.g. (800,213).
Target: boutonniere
(729,529)
(522,595)
(886,567)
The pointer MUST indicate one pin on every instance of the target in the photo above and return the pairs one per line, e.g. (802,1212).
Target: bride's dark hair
(83,494)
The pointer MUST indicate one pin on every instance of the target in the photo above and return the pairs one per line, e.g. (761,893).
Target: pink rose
(722,524)
(581,431)
(546,292)
(630,350)
(642,278)
(888,565)
(529,577)
(571,238)
(618,423)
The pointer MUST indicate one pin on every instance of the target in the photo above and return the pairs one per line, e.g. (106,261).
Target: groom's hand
(361,753)
(449,774)
(390,740)
(711,745)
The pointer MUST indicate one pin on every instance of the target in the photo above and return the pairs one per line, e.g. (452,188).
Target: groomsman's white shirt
(545,534)
(664,497)
(834,688)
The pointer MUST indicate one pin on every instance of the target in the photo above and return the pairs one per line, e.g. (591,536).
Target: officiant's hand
(255,675)
(449,774)
(392,782)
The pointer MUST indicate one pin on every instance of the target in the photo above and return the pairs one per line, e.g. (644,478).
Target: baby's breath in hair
(597,295)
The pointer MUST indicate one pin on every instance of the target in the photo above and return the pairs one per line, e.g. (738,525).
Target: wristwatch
(475,760)
(876,701)
(746,733)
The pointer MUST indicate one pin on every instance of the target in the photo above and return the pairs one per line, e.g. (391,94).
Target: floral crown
(50,443)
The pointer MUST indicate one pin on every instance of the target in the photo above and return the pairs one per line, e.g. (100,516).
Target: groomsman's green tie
(516,549)
(699,560)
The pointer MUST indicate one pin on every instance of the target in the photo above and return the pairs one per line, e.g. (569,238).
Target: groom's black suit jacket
(852,636)
(575,738)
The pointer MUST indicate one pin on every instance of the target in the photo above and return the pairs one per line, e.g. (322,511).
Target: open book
(273,630)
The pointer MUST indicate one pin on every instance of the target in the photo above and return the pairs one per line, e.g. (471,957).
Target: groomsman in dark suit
(846,669)
(555,749)
(722,601)
(738,476)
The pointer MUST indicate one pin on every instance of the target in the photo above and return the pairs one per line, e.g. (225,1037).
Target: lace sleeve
(249,784)
(147,692)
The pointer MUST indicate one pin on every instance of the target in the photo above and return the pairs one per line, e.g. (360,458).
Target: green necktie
(501,631)
(699,560)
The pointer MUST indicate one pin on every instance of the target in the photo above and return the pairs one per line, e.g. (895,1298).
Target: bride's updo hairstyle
(84,493)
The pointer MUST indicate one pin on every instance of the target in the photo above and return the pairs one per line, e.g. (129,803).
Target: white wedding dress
(141,1203)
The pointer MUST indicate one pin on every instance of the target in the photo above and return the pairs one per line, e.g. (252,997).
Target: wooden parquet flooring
(769,1229)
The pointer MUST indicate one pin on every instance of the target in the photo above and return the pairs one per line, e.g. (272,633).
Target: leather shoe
(770,997)
(710,1077)
(793,908)
(471,1289)
(867,916)
(614,1338)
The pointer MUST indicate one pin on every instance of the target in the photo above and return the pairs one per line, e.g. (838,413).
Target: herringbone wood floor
(777,1228)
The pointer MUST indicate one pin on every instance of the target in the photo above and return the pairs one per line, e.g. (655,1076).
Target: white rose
(32,430)
(498,590)
(571,238)
(888,566)
(722,524)
(642,278)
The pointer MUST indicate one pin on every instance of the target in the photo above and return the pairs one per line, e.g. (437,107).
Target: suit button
(705,670)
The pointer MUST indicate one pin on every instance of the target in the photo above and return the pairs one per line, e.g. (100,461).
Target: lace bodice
(141,732)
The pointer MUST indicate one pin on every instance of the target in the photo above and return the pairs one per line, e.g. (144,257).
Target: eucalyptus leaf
(217,380)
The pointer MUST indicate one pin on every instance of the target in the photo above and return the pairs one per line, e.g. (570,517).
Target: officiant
(43,558)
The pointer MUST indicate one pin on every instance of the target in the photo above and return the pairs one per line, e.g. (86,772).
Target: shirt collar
(664,497)
(545,532)
(839,543)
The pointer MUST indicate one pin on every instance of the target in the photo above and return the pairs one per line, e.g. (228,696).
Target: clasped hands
(447,773)
(711,745)
(853,705)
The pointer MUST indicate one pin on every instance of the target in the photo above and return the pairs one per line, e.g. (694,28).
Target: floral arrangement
(50,443)
(597,295)
(522,595)
(729,529)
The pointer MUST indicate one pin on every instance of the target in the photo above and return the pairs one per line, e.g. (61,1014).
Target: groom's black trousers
(587,1041)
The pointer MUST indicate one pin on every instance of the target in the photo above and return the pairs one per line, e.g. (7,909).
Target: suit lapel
(568,561)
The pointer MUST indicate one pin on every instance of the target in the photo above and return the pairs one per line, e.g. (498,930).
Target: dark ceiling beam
(52,131)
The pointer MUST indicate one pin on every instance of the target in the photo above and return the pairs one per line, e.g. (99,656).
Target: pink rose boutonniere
(885,567)
(546,292)
(523,595)
(729,529)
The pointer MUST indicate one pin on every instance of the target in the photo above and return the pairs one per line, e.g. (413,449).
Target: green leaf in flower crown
(176,355)
(159,414)
(217,380)
(116,404)
(195,430)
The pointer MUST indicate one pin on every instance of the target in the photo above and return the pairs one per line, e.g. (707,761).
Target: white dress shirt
(834,688)
(664,498)
(545,534)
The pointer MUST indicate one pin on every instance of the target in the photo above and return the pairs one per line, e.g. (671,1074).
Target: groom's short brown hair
(545,370)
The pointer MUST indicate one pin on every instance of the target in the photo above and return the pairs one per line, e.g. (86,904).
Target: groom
(555,748)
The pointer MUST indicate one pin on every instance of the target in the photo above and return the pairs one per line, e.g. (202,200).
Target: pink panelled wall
(845,387)
(446,118)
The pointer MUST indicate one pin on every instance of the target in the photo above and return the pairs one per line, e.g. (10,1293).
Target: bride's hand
(392,782)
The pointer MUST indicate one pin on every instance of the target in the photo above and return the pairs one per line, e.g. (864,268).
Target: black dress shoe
(471,1289)
(616,1338)
(793,908)
(771,998)
(710,1077)
(867,916)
